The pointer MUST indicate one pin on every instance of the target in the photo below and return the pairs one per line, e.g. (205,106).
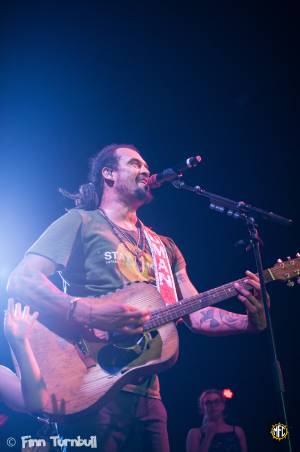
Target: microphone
(169,174)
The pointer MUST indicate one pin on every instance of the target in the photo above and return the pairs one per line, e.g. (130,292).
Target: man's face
(131,177)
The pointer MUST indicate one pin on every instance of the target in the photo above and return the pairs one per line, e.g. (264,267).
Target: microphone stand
(247,213)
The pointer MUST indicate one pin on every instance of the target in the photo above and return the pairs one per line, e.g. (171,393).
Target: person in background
(215,434)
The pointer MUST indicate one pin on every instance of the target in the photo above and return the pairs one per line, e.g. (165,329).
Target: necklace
(138,246)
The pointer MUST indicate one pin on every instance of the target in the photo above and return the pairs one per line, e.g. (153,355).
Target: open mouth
(143,181)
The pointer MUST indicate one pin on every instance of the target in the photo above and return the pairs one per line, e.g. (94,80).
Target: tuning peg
(290,283)
(298,255)
(279,261)
(288,258)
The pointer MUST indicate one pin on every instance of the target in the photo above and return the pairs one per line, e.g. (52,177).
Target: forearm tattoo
(234,321)
(208,316)
(218,320)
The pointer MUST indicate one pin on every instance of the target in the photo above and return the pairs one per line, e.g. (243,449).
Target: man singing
(100,246)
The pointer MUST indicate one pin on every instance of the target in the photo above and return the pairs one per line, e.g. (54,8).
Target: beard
(143,194)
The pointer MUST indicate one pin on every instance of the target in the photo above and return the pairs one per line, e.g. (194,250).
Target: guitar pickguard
(125,352)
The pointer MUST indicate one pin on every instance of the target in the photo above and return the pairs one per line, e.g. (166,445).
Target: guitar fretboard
(188,305)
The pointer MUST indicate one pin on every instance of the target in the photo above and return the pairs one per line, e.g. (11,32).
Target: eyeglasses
(213,402)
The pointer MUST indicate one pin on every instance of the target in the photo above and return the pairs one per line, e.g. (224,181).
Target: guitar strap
(163,273)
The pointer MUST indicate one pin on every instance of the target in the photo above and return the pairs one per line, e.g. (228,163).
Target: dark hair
(89,195)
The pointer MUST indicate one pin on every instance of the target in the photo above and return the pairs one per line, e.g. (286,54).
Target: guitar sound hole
(122,350)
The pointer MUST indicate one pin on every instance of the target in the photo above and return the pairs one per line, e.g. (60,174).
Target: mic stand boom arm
(236,209)
(247,213)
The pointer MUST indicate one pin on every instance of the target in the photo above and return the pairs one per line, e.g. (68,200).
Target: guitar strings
(195,301)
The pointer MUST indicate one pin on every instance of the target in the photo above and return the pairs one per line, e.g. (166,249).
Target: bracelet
(72,307)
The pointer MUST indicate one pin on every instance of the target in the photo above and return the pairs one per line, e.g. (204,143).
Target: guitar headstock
(286,270)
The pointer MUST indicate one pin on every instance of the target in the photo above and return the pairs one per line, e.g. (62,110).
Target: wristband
(72,307)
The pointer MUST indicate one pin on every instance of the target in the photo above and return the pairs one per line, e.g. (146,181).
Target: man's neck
(119,213)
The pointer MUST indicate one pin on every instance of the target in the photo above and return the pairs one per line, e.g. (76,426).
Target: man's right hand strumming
(30,281)
(110,316)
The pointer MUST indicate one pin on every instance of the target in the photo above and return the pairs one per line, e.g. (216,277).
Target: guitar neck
(188,305)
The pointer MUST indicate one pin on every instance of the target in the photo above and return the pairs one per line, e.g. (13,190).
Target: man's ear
(108,175)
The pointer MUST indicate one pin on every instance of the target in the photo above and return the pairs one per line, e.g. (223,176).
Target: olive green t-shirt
(94,261)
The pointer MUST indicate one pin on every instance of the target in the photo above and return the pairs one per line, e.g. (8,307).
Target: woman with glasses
(215,435)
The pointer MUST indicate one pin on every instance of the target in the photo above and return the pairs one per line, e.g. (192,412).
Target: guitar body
(83,367)
(83,370)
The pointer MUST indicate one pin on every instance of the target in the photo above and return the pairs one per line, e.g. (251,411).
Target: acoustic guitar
(84,368)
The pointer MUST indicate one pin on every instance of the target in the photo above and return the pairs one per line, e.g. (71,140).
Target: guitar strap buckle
(84,354)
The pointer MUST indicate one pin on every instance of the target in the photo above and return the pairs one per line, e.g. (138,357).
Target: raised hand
(18,322)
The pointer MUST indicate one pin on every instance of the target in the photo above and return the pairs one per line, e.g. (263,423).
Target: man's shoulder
(167,241)
(84,216)
(174,252)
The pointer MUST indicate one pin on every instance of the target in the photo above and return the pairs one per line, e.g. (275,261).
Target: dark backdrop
(214,78)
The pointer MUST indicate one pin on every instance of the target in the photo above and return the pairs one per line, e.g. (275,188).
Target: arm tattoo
(234,321)
(208,316)
(217,321)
